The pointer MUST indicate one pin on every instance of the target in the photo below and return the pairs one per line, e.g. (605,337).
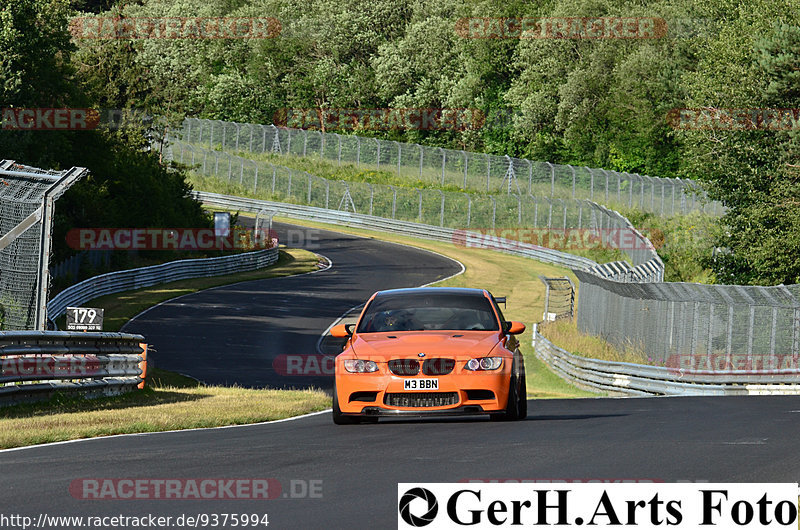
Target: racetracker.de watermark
(733,363)
(561,28)
(553,238)
(381,119)
(731,119)
(169,239)
(120,489)
(75,119)
(76,366)
(196,28)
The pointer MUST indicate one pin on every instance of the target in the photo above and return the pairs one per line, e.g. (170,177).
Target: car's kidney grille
(421,399)
(438,366)
(404,366)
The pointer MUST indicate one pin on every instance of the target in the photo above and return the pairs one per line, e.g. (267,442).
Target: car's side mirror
(513,327)
(342,331)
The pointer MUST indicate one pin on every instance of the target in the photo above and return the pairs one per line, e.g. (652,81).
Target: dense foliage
(597,102)
(127,186)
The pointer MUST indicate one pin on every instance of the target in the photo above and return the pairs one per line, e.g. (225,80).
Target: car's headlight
(357,366)
(484,363)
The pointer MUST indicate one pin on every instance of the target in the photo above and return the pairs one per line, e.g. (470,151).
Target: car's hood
(409,344)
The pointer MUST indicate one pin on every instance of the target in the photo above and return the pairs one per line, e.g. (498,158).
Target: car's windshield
(423,311)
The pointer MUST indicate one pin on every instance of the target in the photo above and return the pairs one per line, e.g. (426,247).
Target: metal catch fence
(479,220)
(27,201)
(706,327)
(459,170)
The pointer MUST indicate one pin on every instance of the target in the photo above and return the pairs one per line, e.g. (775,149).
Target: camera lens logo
(405,507)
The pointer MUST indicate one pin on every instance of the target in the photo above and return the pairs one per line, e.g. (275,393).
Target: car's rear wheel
(338,417)
(517,405)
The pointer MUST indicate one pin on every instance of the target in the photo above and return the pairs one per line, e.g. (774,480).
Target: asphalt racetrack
(231,334)
(346,477)
(355,469)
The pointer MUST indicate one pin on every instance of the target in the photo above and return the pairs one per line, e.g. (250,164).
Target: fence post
(641,200)
(772,337)
(421,154)
(573,180)
(371,196)
(488,171)
(441,210)
(530,176)
(419,217)
(750,328)
(444,158)
(469,208)
(466,162)
(552,179)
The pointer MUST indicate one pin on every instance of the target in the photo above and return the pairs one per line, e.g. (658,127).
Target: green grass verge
(121,307)
(169,401)
(565,334)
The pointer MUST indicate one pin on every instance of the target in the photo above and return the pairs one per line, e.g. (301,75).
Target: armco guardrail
(37,364)
(407,228)
(115,282)
(644,380)
(581,223)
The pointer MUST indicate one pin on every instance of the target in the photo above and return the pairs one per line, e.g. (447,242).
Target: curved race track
(725,439)
(231,334)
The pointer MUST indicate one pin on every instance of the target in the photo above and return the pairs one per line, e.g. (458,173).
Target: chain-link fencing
(525,217)
(455,169)
(694,326)
(27,200)
(559,298)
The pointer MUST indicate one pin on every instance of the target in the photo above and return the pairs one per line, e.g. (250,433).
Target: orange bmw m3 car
(429,351)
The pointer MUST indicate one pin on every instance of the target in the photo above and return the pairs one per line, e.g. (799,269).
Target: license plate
(420,384)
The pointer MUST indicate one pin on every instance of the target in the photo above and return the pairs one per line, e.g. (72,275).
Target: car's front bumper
(463,410)
(381,386)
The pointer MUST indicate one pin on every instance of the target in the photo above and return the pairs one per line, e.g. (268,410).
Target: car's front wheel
(517,405)
(338,417)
